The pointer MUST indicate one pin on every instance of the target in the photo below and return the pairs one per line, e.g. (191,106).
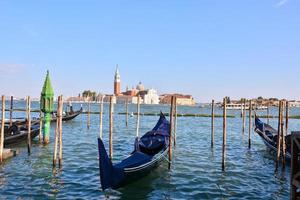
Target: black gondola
(67,116)
(17,134)
(148,153)
(269,136)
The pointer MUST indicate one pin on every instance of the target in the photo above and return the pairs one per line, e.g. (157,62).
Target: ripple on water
(196,168)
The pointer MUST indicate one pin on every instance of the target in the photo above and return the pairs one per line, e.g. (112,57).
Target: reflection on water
(196,168)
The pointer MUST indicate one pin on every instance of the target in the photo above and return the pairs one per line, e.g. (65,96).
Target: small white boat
(239,106)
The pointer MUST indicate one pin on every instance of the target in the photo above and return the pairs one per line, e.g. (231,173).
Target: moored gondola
(17,134)
(67,116)
(149,151)
(269,136)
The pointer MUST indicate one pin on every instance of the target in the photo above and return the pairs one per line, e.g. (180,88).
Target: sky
(207,48)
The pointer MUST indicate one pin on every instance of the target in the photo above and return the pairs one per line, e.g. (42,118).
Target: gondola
(269,136)
(149,151)
(67,116)
(16,134)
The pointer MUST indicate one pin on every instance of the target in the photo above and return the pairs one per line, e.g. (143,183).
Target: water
(196,168)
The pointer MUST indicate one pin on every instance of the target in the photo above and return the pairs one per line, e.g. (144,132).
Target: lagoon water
(196,168)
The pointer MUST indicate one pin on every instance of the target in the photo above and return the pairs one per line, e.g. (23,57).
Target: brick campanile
(117,82)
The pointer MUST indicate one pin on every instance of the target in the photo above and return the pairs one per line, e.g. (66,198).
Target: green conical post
(46,103)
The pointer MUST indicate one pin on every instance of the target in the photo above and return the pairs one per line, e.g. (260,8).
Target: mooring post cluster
(282,132)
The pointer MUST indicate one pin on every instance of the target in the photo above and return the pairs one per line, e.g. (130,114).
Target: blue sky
(206,48)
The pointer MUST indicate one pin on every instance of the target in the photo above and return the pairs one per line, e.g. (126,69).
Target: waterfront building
(182,99)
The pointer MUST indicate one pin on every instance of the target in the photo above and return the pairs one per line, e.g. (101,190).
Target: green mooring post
(46,103)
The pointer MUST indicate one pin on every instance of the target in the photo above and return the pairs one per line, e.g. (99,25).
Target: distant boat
(149,151)
(67,116)
(269,136)
(131,114)
(239,106)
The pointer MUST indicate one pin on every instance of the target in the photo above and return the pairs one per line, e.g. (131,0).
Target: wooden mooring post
(244,116)
(295,166)
(2,129)
(268,113)
(212,123)
(28,105)
(101,117)
(224,133)
(11,110)
(286,117)
(279,135)
(126,113)
(250,124)
(41,127)
(60,155)
(283,133)
(58,134)
(111,128)
(89,115)
(175,119)
(138,116)
(171,130)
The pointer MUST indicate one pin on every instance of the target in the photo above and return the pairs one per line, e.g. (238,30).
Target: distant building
(185,100)
(117,82)
(149,96)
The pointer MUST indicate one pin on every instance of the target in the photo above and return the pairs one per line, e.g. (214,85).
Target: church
(148,96)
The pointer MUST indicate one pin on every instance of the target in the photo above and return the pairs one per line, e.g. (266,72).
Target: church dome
(140,86)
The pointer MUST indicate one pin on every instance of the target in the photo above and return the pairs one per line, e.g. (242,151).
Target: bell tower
(117,82)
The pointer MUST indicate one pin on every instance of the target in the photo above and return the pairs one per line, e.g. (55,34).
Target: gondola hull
(150,150)
(269,137)
(21,136)
(66,117)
